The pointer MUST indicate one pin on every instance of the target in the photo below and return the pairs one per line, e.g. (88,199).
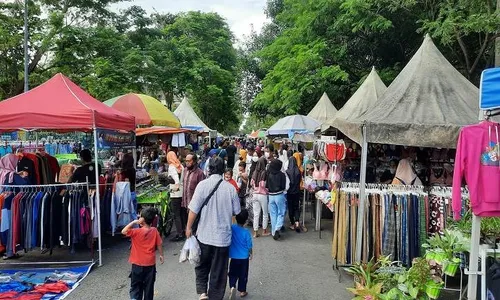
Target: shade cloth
(188,117)
(324,110)
(425,106)
(347,119)
(146,110)
(60,105)
(286,125)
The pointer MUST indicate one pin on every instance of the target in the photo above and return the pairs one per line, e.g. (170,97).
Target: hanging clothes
(122,208)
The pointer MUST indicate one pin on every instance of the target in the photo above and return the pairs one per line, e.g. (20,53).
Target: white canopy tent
(295,123)
(188,117)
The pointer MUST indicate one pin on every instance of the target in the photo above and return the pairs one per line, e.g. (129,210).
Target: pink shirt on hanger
(477,159)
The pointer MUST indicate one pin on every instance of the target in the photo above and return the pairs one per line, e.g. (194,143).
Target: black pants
(238,272)
(142,281)
(180,226)
(214,261)
(293,207)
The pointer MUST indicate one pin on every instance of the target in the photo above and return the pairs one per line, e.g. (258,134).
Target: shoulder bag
(194,227)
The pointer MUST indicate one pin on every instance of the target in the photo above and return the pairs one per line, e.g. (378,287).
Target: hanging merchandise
(44,217)
(178,140)
(122,208)
(331,151)
(477,160)
(394,222)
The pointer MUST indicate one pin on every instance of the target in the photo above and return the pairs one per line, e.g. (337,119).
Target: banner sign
(109,139)
(489,90)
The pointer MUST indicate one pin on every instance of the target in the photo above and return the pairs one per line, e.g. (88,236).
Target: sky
(239,14)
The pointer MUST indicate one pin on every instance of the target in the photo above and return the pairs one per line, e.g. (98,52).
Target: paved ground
(298,267)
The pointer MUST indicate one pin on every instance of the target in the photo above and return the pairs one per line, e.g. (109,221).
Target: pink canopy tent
(60,105)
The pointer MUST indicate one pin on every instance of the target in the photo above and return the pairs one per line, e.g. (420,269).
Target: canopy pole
(98,196)
(362,196)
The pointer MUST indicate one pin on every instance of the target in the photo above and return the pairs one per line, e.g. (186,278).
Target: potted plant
(434,285)
(444,248)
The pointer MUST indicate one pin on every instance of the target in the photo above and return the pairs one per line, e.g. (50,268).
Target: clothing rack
(69,185)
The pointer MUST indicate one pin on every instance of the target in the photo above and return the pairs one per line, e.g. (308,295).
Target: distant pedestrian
(214,230)
(231,154)
(260,199)
(276,184)
(240,253)
(145,241)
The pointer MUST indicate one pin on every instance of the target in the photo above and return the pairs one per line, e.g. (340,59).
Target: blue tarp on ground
(24,281)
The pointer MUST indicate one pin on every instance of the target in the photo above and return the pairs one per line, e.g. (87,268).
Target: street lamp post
(26,57)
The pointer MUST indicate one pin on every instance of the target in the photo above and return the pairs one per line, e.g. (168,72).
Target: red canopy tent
(60,105)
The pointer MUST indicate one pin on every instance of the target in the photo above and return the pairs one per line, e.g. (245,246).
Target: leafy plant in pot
(421,281)
(444,248)
(366,284)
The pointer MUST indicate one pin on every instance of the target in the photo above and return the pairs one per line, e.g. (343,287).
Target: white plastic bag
(191,251)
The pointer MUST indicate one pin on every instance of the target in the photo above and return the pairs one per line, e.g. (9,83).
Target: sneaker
(276,235)
(232,294)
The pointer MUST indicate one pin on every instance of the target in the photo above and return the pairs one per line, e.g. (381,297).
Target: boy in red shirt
(145,241)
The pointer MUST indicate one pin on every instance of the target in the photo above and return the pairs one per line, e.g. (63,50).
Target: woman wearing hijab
(260,201)
(8,164)
(175,170)
(293,193)
(405,174)
(276,186)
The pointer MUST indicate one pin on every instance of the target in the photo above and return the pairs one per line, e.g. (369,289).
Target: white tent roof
(324,110)
(365,98)
(293,123)
(188,117)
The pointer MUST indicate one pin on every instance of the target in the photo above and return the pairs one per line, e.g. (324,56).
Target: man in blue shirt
(240,253)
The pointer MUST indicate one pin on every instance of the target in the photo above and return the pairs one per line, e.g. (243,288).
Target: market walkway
(298,267)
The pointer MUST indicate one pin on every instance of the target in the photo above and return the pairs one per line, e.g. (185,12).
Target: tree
(329,45)
(467,27)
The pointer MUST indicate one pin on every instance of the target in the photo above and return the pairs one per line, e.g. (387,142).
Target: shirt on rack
(478,161)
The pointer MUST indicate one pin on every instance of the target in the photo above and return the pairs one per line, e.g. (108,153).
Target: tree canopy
(316,46)
(188,54)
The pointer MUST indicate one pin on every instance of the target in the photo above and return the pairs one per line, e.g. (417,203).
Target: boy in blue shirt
(240,253)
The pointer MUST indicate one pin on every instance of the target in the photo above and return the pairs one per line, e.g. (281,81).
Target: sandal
(243,294)
(266,233)
(292,227)
(203,296)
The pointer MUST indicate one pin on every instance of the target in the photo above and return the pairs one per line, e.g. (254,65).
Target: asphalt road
(297,267)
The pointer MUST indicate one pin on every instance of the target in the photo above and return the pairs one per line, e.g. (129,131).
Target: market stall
(62,106)
(425,106)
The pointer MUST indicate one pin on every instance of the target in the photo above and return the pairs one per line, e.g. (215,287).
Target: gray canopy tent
(323,111)
(425,106)
(365,98)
